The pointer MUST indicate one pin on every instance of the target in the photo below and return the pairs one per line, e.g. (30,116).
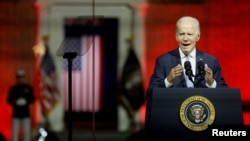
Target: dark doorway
(106,29)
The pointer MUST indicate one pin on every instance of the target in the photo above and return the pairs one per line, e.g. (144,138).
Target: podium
(187,113)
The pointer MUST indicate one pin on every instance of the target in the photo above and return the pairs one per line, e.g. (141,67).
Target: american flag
(86,73)
(49,91)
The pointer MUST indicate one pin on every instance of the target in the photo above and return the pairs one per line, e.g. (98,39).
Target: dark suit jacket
(167,61)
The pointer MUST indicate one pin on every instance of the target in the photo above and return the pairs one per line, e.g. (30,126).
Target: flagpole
(70,56)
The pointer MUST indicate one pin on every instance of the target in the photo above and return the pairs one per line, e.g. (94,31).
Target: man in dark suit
(170,69)
(21,97)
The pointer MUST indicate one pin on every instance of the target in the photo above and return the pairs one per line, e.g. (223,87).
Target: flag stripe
(84,90)
(98,77)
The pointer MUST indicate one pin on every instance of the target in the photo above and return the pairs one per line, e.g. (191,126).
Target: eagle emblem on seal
(197,113)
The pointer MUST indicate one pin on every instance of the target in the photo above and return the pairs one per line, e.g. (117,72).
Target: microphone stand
(196,82)
(70,56)
(197,79)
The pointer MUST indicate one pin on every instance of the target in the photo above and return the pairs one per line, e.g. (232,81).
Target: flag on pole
(86,73)
(48,96)
(132,86)
(49,91)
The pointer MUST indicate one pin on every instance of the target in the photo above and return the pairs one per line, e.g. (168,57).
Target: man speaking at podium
(186,66)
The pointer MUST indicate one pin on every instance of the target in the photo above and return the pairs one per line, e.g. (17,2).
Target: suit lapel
(199,56)
(180,81)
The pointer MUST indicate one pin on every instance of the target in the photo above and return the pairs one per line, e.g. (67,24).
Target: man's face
(187,35)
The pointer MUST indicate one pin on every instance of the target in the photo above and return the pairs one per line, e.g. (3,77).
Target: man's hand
(209,77)
(174,73)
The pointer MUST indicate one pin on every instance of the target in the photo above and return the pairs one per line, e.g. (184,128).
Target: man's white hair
(188,18)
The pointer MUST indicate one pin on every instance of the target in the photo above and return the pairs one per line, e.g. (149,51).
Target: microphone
(188,70)
(201,69)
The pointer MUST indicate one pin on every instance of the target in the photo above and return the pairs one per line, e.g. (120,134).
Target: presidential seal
(197,112)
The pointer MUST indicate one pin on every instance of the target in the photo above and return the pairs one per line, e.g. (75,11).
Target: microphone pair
(189,72)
